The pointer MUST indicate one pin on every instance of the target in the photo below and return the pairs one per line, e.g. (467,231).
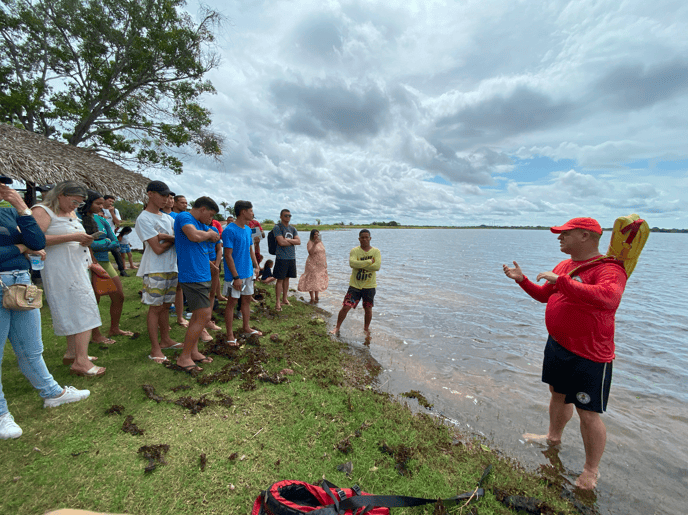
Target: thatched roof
(34,158)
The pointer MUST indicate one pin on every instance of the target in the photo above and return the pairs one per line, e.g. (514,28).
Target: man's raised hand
(514,273)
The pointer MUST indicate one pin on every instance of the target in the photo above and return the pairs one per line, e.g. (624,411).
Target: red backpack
(297,497)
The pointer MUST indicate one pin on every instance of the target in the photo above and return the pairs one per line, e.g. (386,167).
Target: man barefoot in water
(364,261)
(580,348)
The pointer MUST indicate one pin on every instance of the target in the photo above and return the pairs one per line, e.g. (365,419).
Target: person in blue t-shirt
(241,266)
(191,231)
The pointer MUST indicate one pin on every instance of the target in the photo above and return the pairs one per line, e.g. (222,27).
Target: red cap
(588,224)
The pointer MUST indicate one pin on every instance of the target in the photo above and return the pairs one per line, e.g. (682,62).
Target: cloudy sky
(461,113)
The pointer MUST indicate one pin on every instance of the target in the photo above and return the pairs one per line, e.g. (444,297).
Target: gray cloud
(636,87)
(495,118)
(319,37)
(331,108)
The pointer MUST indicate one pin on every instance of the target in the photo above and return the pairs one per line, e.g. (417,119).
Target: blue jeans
(24,331)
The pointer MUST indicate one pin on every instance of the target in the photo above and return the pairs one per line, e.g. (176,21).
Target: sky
(459,113)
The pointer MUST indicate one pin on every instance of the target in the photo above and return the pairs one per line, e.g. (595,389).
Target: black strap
(400,501)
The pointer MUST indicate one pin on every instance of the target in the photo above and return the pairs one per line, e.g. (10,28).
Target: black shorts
(197,295)
(284,268)
(585,383)
(354,295)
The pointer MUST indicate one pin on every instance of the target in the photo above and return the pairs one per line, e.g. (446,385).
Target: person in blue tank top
(191,232)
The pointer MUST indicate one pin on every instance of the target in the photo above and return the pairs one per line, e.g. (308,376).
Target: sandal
(205,360)
(191,368)
(69,361)
(92,372)
(155,358)
(232,343)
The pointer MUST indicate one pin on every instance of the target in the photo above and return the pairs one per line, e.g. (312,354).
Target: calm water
(447,322)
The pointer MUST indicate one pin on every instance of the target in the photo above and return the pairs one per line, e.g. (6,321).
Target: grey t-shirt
(288,232)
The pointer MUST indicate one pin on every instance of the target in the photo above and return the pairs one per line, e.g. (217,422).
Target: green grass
(77,456)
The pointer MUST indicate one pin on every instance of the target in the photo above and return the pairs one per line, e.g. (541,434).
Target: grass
(325,415)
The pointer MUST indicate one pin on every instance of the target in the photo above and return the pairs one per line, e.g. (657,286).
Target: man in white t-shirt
(111,214)
(158,268)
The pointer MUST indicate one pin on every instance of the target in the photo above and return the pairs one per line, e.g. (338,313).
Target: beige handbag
(21,297)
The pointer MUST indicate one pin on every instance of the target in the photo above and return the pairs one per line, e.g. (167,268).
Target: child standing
(124,245)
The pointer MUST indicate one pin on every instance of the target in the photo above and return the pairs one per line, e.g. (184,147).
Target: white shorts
(246,289)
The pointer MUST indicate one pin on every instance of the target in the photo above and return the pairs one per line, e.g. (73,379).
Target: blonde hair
(51,198)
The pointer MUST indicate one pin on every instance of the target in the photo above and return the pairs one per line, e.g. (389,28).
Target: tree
(123,77)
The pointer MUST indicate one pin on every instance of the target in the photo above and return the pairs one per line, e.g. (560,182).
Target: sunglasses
(286,216)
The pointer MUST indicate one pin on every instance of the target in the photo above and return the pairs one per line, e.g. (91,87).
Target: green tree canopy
(124,77)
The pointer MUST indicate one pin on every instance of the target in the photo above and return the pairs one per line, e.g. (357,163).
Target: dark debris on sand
(155,454)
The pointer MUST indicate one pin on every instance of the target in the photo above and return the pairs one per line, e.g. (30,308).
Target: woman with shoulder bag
(66,275)
(101,246)
(19,236)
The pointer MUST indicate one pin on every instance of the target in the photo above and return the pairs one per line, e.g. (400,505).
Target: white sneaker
(8,427)
(70,394)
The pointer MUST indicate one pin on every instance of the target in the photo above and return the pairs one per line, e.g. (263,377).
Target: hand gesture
(514,273)
(550,277)
(214,237)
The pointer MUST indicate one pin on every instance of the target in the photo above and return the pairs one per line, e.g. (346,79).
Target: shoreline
(299,426)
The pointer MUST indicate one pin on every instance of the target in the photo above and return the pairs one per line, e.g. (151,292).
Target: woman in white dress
(66,275)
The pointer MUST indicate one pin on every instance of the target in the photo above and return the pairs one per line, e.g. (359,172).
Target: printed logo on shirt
(577,278)
(583,398)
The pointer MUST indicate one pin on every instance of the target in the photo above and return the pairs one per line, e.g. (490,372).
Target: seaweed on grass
(181,387)
(345,446)
(130,427)
(150,393)
(155,454)
(115,409)
(204,461)
(415,394)
(402,456)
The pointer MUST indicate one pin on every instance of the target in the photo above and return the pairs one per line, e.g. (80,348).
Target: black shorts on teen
(284,268)
(585,383)
(354,295)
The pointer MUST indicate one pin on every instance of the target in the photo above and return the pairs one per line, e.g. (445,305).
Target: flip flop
(178,345)
(205,360)
(92,372)
(155,358)
(183,323)
(106,341)
(232,343)
(191,368)
(69,361)
(257,333)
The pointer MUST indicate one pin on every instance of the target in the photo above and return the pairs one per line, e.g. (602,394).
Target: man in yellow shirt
(364,261)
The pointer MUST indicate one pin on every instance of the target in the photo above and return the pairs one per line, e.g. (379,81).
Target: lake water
(448,323)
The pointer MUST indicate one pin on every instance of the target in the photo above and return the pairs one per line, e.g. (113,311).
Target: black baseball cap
(5,180)
(158,187)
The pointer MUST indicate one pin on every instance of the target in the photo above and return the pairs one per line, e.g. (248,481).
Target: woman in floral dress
(314,278)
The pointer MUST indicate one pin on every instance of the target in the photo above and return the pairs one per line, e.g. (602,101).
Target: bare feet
(213,326)
(285,303)
(588,479)
(540,439)
(120,332)
(205,336)
(335,331)
(104,341)
(278,307)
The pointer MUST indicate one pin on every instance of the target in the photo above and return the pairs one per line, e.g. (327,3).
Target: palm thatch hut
(38,160)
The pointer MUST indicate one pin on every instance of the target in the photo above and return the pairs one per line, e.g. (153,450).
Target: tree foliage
(124,77)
